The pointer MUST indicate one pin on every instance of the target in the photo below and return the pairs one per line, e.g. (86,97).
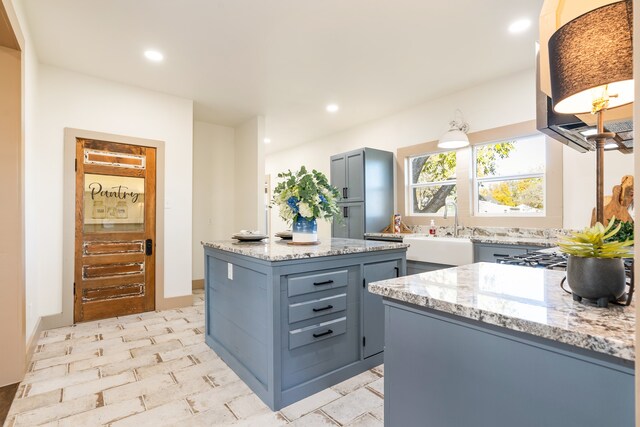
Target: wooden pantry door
(114,269)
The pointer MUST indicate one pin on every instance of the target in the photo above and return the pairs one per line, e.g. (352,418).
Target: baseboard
(32,342)
(175,302)
(54,321)
(197,284)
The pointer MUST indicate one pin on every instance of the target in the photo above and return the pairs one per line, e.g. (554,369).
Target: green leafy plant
(306,194)
(625,233)
(592,242)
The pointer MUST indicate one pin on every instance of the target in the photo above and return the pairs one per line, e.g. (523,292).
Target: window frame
(411,186)
(475,181)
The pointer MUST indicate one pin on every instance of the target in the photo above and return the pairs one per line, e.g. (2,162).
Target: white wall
(249,174)
(580,182)
(31,163)
(501,102)
(68,99)
(213,188)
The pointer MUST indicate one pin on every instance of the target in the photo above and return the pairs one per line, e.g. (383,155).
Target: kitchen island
(293,320)
(498,345)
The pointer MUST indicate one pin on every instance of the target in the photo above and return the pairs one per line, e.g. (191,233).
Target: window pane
(433,167)
(511,196)
(113,203)
(432,199)
(508,158)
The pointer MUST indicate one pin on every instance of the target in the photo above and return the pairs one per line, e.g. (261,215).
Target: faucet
(455,216)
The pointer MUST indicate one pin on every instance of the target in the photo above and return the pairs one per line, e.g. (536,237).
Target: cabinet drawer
(317,307)
(490,253)
(315,333)
(316,282)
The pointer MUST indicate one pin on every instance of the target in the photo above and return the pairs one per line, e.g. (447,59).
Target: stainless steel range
(552,259)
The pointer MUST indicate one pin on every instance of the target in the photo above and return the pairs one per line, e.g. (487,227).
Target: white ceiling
(287,59)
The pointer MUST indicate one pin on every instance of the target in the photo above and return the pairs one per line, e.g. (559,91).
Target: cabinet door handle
(148,247)
(500,255)
(326,282)
(323,334)
(329,307)
(345,211)
(397,271)
(344,193)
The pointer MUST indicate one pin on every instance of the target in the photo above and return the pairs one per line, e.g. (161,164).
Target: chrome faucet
(455,216)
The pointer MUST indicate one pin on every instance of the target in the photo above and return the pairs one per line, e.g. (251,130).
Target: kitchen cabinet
(491,252)
(364,178)
(417,267)
(372,307)
(290,322)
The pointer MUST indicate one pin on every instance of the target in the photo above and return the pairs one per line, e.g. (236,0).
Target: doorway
(115,228)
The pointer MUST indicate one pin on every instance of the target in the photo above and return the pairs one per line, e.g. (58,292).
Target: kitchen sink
(440,250)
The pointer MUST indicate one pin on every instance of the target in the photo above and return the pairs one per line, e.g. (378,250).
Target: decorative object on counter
(397,226)
(284,235)
(456,136)
(301,198)
(618,204)
(595,267)
(432,227)
(591,65)
(249,236)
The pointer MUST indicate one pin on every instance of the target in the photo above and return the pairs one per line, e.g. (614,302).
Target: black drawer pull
(326,282)
(344,193)
(397,271)
(329,307)
(500,255)
(323,334)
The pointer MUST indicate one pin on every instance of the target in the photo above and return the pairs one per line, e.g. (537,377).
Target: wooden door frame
(65,318)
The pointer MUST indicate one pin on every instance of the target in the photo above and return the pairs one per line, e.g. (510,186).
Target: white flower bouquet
(305,194)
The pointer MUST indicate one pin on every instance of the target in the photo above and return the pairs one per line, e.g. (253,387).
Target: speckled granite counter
(281,250)
(524,241)
(509,344)
(519,298)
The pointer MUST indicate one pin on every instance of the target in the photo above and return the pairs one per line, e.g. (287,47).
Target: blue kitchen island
(294,320)
(492,345)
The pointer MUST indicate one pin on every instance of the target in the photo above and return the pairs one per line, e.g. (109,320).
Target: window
(432,182)
(510,177)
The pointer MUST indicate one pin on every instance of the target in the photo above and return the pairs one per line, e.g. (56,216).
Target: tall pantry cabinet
(364,178)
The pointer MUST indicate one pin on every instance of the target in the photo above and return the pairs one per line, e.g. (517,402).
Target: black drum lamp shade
(593,51)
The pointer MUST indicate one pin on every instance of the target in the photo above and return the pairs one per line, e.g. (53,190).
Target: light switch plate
(229,271)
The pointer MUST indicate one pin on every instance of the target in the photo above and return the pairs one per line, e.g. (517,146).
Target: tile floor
(154,369)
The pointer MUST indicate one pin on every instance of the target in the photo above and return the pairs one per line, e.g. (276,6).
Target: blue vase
(305,230)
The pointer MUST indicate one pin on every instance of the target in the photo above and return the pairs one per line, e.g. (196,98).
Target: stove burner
(558,261)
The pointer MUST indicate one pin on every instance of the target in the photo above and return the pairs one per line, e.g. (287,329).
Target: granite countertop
(523,299)
(508,240)
(389,235)
(280,250)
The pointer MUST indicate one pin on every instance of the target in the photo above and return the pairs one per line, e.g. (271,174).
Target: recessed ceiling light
(519,26)
(267,141)
(153,55)
(332,108)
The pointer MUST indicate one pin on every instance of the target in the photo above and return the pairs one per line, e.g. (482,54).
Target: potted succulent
(302,197)
(595,266)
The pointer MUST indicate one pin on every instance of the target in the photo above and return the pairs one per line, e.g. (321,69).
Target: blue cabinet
(292,328)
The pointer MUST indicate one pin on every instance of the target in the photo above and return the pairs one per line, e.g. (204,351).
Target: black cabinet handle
(397,271)
(344,193)
(500,255)
(329,307)
(345,211)
(326,282)
(323,334)
(148,247)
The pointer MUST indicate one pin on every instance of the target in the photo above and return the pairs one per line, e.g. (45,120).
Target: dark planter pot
(599,279)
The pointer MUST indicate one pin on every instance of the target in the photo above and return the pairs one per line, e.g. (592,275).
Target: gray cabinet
(372,306)
(417,267)
(365,180)
(292,328)
(490,252)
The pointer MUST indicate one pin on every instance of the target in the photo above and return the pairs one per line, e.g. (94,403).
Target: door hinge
(76,165)
(364,341)
(364,282)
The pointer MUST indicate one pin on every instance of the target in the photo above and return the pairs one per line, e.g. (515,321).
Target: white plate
(249,237)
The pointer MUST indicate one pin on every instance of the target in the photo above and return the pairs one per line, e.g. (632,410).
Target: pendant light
(456,136)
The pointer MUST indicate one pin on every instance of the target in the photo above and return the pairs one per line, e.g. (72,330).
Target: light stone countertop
(522,299)
(507,240)
(280,250)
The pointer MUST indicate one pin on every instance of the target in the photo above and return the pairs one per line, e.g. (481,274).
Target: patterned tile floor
(154,369)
